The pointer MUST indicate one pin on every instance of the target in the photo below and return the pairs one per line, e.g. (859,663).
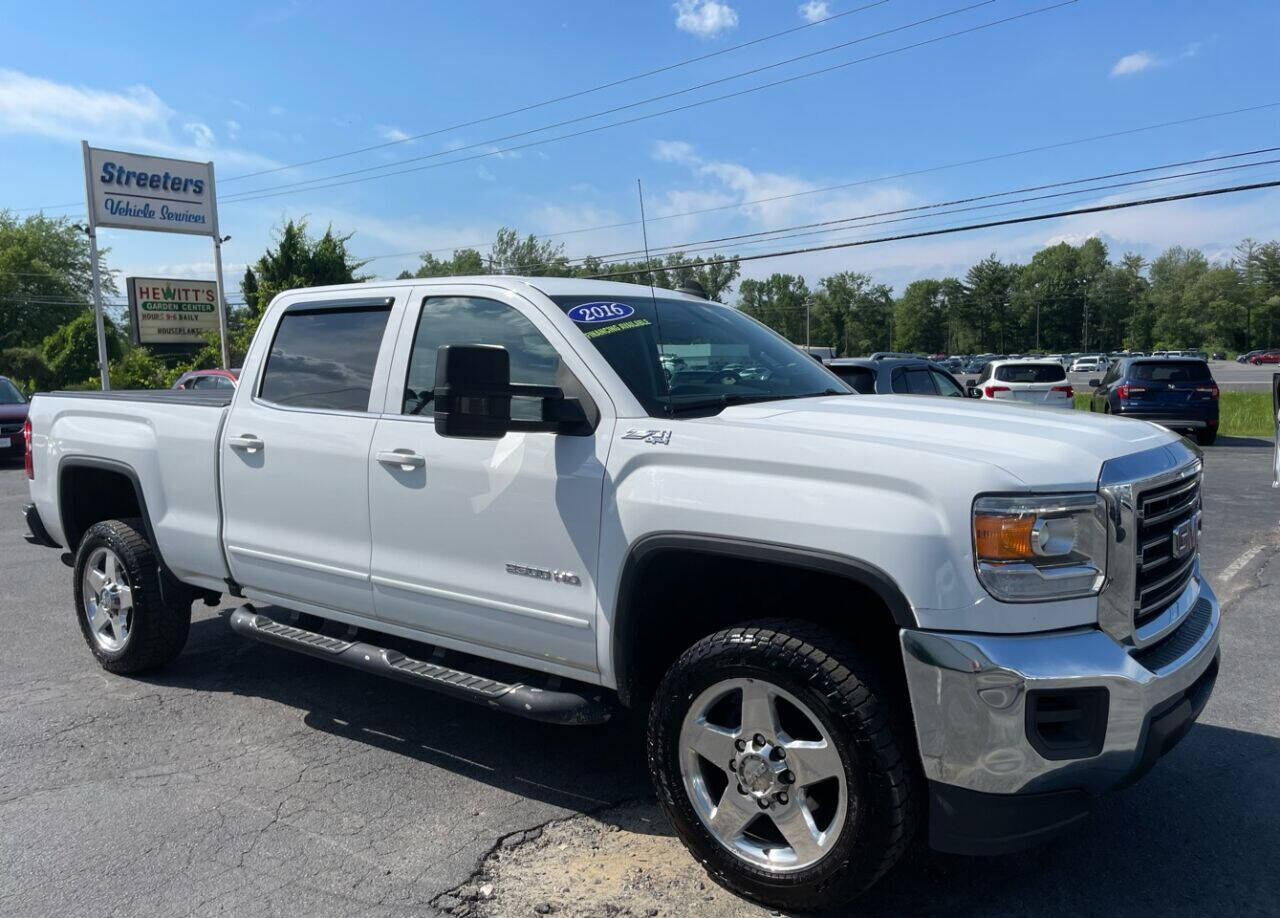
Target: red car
(206,380)
(1271,357)
(13,414)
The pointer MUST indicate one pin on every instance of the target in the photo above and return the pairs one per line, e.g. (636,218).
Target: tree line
(1065,298)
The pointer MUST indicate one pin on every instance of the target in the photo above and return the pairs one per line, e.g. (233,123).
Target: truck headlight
(1034,548)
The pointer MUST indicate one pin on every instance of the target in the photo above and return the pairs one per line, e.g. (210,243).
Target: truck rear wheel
(119,605)
(774,754)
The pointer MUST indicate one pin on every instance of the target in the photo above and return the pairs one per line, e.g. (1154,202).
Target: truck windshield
(9,394)
(681,357)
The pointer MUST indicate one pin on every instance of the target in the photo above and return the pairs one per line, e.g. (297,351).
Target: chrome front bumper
(969,694)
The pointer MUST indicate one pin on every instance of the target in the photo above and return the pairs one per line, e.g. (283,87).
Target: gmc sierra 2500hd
(849,619)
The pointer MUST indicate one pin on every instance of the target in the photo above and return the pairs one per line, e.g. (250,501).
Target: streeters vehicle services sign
(150,193)
(167,311)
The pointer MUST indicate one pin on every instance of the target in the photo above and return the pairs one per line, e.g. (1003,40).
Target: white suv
(1037,382)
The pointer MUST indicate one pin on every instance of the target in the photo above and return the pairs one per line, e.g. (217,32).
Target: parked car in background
(13,419)
(208,379)
(1265,357)
(900,376)
(1219,355)
(1088,365)
(1175,392)
(1244,358)
(1036,382)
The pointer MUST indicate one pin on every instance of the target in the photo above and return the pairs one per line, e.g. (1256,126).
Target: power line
(1099,208)
(292,187)
(862,182)
(629,105)
(920,211)
(984,197)
(573,95)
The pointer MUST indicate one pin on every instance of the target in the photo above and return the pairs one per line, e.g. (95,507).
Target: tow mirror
(473,392)
(975,392)
(1094,383)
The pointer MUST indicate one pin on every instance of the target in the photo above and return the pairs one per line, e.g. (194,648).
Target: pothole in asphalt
(622,863)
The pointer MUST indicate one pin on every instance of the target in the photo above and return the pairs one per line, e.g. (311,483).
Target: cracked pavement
(248,780)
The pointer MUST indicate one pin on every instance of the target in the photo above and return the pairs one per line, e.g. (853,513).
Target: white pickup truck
(852,620)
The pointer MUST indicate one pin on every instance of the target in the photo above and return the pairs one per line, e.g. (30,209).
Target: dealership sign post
(131,191)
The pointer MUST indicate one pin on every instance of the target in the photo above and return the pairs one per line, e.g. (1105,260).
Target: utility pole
(807,304)
(1037,325)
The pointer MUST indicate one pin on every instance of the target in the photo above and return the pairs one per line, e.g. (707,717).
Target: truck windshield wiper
(724,401)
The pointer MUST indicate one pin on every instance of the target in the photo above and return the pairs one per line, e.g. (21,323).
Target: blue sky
(261,86)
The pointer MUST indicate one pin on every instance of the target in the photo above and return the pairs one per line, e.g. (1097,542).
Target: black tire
(1206,437)
(158,630)
(870,728)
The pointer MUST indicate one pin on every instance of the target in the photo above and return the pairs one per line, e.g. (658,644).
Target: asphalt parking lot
(248,780)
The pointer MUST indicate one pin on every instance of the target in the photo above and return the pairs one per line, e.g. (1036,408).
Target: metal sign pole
(97,281)
(217,268)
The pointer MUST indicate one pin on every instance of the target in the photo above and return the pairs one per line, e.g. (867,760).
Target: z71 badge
(657,437)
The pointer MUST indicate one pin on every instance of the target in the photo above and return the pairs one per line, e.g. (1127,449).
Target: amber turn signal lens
(1003,538)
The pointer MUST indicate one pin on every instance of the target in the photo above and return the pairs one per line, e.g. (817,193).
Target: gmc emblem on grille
(1184,539)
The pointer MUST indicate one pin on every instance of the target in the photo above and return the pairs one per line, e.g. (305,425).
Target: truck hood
(1041,447)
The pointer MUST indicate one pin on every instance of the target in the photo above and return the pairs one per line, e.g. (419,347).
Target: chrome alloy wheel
(763,774)
(108,600)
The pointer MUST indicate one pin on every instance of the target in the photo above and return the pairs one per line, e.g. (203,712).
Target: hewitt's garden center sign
(166,311)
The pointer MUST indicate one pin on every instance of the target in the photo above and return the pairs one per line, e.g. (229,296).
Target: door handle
(406,459)
(247,442)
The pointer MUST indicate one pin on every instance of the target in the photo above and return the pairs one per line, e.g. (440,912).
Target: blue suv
(1175,392)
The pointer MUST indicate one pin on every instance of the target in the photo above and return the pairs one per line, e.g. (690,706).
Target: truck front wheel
(119,605)
(773,750)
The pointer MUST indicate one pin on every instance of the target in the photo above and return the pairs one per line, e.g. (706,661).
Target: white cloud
(233,128)
(485,175)
(133,119)
(1134,63)
(814,10)
(201,134)
(388,132)
(704,18)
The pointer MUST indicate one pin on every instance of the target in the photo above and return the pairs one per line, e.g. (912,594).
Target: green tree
(989,285)
(853,314)
(777,301)
(45,277)
(530,256)
(669,272)
(465,262)
(71,352)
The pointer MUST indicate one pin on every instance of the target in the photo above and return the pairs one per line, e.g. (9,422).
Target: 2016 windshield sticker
(620,326)
(591,313)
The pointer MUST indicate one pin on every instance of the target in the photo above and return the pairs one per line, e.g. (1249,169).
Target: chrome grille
(1163,514)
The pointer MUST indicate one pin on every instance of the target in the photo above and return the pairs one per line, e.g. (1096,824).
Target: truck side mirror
(473,392)
(1094,383)
(974,391)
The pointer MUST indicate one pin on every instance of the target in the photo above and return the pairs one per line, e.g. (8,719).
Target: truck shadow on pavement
(1198,835)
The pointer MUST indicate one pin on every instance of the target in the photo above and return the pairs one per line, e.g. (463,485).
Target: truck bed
(164,440)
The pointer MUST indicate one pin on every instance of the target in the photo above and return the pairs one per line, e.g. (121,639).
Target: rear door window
(324,358)
(946,385)
(1171,371)
(861,379)
(1031,373)
(913,381)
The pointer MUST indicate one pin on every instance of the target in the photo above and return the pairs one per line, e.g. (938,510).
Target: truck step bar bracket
(587,705)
